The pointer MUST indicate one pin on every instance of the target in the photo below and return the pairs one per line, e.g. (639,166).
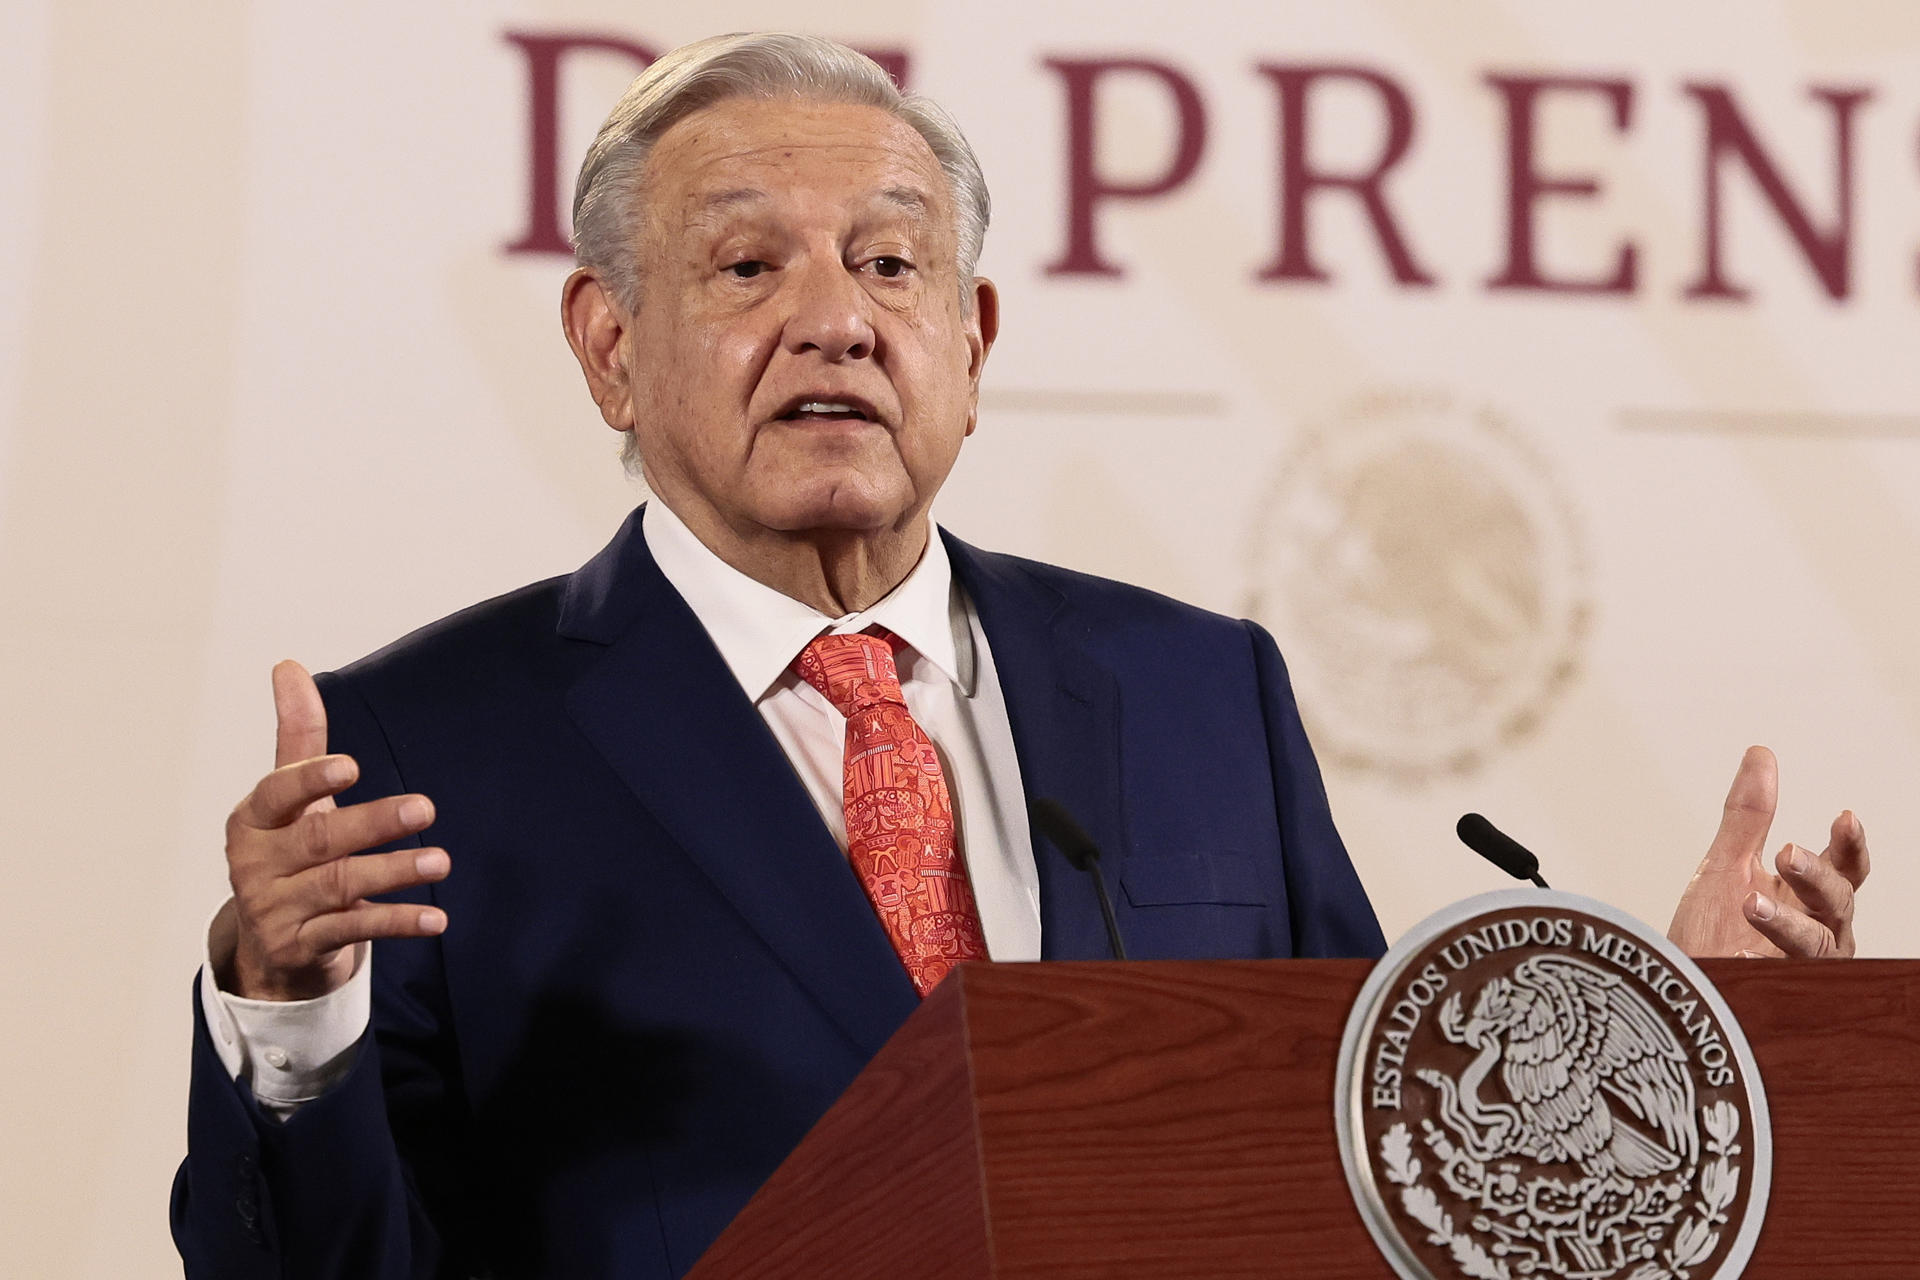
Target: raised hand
(299,901)
(1803,906)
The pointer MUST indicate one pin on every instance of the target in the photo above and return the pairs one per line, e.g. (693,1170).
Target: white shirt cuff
(290,1051)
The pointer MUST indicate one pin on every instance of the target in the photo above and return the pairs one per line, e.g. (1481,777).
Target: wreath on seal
(1527,1222)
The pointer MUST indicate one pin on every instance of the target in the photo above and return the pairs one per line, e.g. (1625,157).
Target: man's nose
(831,315)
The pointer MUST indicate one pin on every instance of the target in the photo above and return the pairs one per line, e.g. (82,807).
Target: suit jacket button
(246,1199)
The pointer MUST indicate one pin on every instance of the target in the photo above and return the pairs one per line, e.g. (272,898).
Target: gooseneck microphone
(1052,820)
(1499,848)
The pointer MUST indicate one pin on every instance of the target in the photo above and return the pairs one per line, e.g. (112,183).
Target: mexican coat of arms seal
(1534,1085)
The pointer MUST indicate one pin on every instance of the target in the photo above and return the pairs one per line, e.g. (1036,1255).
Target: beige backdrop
(271,387)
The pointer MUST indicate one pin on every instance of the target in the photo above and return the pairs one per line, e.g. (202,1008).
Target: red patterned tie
(899,816)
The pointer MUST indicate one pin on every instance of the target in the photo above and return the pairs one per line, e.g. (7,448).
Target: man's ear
(983,326)
(596,329)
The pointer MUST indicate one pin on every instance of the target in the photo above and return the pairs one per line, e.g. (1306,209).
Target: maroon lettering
(1826,251)
(1300,178)
(1086,187)
(544,231)
(893,62)
(1527,186)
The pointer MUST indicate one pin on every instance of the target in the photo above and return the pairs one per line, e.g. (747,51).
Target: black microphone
(1502,850)
(1057,825)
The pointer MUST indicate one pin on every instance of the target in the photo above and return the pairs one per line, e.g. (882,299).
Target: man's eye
(747,270)
(890,267)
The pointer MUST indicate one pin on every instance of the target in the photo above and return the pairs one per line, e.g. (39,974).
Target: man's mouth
(822,409)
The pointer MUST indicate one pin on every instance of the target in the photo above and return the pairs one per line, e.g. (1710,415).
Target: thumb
(1748,814)
(300,717)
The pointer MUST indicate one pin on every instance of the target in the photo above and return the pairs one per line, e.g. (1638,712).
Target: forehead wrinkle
(725,172)
(714,153)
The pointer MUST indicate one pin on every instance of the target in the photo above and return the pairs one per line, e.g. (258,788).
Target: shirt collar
(759,631)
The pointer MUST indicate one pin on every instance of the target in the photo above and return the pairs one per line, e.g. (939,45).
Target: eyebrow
(719,200)
(906,198)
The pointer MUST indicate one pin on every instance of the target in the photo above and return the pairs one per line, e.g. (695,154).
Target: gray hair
(608,196)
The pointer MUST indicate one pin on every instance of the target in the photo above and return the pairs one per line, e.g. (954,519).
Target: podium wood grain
(1175,1120)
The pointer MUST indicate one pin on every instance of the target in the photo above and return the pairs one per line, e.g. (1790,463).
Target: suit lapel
(662,708)
(1065,714)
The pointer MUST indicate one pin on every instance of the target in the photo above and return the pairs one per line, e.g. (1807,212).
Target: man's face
(800,358)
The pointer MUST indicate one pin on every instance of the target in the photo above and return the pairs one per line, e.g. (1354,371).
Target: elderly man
(728,801)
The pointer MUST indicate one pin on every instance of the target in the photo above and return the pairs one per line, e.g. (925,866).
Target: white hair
(609,195)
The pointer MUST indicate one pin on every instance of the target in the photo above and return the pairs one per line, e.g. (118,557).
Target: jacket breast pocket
(1222,877)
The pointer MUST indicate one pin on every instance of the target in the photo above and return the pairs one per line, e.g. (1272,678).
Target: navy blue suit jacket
(658,972)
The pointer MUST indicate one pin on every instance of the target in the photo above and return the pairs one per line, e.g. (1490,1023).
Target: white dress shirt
(291,1051)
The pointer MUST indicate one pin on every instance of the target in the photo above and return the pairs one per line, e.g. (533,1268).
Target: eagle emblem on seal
(1593,1077)
(1572,1135)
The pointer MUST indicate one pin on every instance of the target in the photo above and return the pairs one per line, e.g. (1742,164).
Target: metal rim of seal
(1367,1007)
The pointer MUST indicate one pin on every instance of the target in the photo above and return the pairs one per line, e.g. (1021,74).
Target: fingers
(1804,910)
(372,920)
(1788,928)
(284,794)
(300,717)
(294,931)
(281,800)
(1847,848)
(1813,915)
(329,835)
(341,884)
(1825,895)
(1748,812)
(299,897)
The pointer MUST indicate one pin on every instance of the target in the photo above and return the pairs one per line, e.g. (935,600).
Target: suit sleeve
(1328,911)
(361,1181)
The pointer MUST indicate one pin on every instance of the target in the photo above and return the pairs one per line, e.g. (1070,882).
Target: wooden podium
(1176,1120)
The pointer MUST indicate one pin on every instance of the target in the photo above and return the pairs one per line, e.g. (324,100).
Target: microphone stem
(1106,913)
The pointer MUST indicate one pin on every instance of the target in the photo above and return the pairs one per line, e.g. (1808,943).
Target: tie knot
(852,672)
